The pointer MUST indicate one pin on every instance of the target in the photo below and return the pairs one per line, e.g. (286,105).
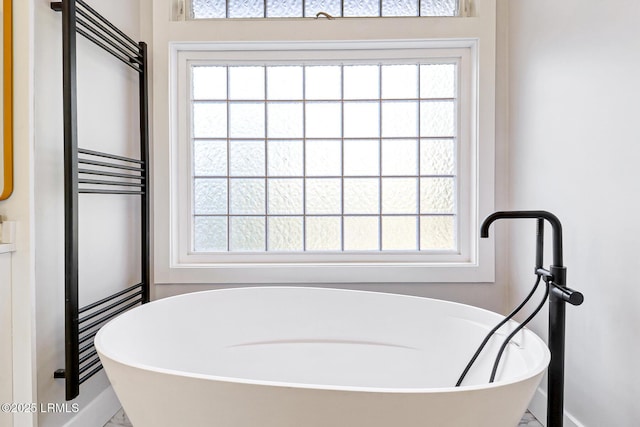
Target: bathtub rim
(530,374)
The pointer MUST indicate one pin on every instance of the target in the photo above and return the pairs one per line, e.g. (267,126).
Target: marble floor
(120,420)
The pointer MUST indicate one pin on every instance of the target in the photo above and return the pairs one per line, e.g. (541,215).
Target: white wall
(108,226)
(6,331)
(20,208)
(574,151)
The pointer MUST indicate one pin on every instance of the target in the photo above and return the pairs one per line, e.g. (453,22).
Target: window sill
(279,273)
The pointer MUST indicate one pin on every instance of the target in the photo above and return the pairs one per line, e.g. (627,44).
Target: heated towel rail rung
(84,378)
(110,297)
(104,47)
(109,316)
(107,182)
(110,174)
(108,156)
(125,192)
(102,32)
(116,30)
(90,364)
(110,165)
(110,307)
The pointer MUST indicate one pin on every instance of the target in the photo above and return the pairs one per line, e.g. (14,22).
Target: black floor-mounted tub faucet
(559,294)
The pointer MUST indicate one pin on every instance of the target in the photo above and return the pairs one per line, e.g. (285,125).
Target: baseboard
(98,411)
(538,407)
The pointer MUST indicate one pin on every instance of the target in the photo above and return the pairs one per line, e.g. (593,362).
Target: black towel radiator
(94,172)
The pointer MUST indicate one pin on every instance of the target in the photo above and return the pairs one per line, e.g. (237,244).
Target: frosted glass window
(362,157)
(399,233)
(284,83)
(361,8)
(361,195)
(207,9)
(362,82)
(332,7)
(323,82)
(284,8)
(285,197)
(361,233)
(399,81)
(245,8)
(247,234)
(400,119)
(323,196)
(437,81)
(437,157)
(246,120)
(285,234)
(285,120)
(209,83)
(323,120)
(246,82)
(333,157)
(247,196)
(437,195)
(324,158)
(438,7)
(246,158)
(209,120)
(399,196)
(437,118)
(400,8)
(399,157)
(285,158)
(211,234)
(210,158)
(210,196)
(323,233)
(437,232)
(361,119)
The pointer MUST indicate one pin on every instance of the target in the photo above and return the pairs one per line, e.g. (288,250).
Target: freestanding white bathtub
(310,357)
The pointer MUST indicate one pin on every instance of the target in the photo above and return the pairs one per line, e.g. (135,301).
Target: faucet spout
(551,218)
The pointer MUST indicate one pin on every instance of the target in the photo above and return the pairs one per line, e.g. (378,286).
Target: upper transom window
(205,9)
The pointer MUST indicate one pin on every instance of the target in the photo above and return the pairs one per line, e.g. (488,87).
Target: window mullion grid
(342,159)
(459,7)
(418,157)
(228,156)
(380,157)
(192,227)
(456,140)
(380,100)
(266,161)
(304,158)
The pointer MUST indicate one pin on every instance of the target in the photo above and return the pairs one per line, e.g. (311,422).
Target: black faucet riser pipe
(539,244)
(555,376)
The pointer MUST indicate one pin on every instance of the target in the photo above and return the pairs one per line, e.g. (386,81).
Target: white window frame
(173,261)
